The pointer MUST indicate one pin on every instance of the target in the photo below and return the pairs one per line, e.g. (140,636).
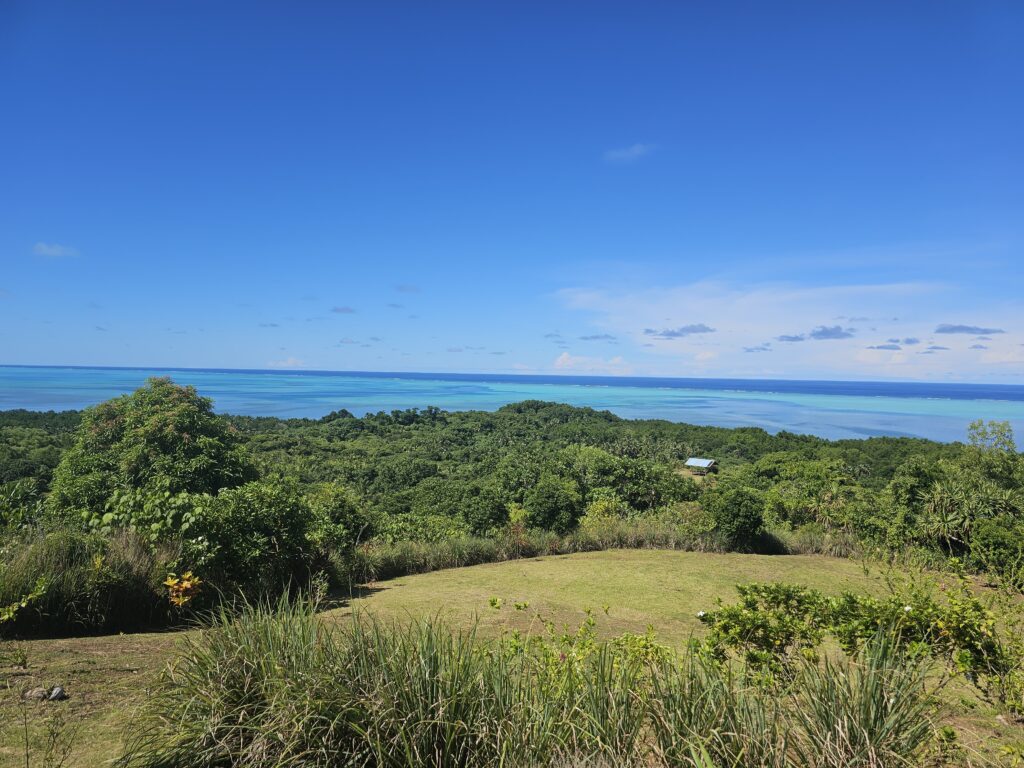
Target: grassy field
(660,589)
(107,677)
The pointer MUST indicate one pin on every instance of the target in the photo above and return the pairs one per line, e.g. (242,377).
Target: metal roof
(702,463)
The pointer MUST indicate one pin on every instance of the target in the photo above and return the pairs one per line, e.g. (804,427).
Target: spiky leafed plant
(871,711)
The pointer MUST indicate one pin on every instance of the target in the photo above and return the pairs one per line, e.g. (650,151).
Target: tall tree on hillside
(161,438)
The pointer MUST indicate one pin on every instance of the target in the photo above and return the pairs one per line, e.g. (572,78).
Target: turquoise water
(827,409)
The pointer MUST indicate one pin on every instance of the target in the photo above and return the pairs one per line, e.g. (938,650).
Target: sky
(757,190)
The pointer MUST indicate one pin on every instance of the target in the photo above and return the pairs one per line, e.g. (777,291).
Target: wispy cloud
(453,349)
(393,305)
(598,337)
(937,348)
(343,310)
(288,362)
(347,340)
(890,347)
(54,250)
(407,288)
(615,366)
(629,154)
(977,346)
(269,325)
(766,347)
(829,332)
(680,332)
(747,316)
(972,330)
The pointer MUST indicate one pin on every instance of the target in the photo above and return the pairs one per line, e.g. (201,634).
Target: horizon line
(551,375)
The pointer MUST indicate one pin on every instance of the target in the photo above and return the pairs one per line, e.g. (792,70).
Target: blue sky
(785,190)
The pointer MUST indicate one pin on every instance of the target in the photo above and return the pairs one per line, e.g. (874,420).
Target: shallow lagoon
(828,409)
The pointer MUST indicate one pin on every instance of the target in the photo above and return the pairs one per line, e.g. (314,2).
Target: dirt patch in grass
(106,679)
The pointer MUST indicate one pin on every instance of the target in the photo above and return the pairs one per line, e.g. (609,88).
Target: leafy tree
(554,503)
(994,450)
(253,538)
(738,513)
(338,519)
(163,437)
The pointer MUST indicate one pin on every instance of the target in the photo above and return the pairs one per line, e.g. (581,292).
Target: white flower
(701,614)
(906,609)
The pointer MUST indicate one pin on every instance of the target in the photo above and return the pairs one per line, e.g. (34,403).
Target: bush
(77,582)
(554,504)
(253,539)
(997,545)
(738,515)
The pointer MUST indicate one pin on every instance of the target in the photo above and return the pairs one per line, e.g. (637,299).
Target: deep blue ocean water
(827,408)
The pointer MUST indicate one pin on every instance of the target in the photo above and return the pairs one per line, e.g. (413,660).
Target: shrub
(770,627)
(338,521)
(738,515)
(20,503)
(253,538)
(997,545)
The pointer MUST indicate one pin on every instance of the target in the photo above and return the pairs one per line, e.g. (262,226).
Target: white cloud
(748,316)
(288,362)
(628,154)
(54,250)
(615,366)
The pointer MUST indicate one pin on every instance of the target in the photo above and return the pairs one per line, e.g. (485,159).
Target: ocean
(831,409)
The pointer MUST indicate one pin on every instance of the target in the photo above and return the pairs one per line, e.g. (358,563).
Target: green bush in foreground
(276,686)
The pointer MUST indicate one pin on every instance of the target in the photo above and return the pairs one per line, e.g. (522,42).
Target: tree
(161,438)
(738,513)
(554,503)
(994,450)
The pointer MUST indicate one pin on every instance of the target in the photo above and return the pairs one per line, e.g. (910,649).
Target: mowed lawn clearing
(639,588)
(108,677)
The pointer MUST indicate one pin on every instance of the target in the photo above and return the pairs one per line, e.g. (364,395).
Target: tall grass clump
(379,560)
(65,581)
(262,688)
(870,711)
(815,539)
(275,685)
(700,707)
